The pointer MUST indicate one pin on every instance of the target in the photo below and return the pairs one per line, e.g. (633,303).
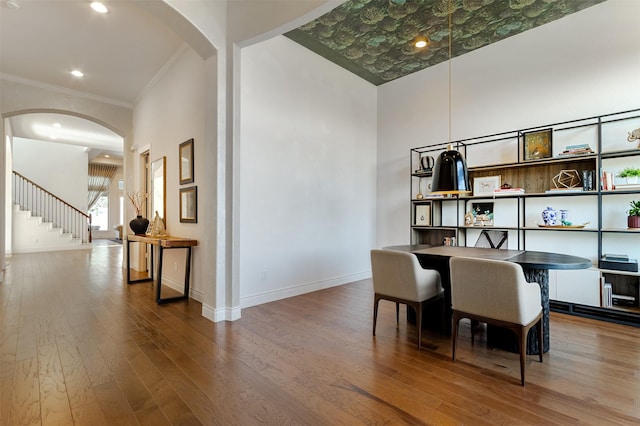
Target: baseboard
(217,315)
(272,296)
(45,249)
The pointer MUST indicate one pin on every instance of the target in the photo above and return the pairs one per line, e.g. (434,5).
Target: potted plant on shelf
(634,215)
(631,174)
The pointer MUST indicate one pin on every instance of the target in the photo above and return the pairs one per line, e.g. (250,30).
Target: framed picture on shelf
(537,145)
(485,185)
(482,214)
(189,204)
(186,162)
(422,215)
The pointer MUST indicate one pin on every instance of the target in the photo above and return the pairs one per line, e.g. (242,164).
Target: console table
(164,242)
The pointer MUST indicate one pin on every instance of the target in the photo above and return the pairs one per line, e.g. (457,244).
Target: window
(121,215)
(100,212)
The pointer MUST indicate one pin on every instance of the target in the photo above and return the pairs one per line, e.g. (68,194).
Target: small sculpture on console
(157,227)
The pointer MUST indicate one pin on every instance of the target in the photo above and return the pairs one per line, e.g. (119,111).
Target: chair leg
(540,329)
(418,309)
(397,314)
(522,337)
(375,312)
(474,325)
(454,335)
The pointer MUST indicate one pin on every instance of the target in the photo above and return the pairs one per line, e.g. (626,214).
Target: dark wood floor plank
(80,346)
(89,414)
(114,405)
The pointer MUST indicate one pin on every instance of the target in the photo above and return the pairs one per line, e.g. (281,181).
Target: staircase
(32,234)
(44,222)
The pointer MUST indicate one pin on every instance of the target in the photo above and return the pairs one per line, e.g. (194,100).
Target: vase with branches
(139,225)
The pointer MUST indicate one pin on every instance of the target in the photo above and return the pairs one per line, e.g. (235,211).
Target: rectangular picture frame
(485,185)
(189,204)
(482,214)
(185,158)
(537,145)
(422,215)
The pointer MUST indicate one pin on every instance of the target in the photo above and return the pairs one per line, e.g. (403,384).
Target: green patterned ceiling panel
(374,39)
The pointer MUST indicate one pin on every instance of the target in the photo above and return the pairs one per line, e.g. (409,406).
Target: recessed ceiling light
(421,42)
(13,4)
(99,7)
(57,125)
(53,137)
(106,156)
(77,73)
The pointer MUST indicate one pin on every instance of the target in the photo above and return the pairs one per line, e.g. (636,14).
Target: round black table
(535,265)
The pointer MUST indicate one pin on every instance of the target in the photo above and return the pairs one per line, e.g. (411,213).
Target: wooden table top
(164,241)
(525,258)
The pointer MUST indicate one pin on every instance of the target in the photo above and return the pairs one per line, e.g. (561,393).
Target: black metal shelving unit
(597,125)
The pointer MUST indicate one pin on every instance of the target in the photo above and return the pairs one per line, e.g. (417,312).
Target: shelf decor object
(567,179)
(633,221)
(634,136)
(537,145)
(482,214)
(422,215)
(485,185)
(631,174)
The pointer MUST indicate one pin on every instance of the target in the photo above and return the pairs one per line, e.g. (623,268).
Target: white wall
(171,112)
(60,169)
(307,164)
(560,71)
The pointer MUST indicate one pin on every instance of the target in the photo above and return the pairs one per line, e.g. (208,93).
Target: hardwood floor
(78,346)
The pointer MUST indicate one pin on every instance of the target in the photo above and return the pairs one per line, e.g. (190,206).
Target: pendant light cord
(450,52)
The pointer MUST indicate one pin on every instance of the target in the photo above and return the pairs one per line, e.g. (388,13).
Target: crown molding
(63,90)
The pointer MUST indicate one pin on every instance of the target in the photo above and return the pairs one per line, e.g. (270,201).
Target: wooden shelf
(535,163)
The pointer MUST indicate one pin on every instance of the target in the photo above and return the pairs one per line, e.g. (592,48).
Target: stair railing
(51,208)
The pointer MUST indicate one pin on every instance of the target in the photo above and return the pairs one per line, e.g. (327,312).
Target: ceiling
(120,52)
(375,38)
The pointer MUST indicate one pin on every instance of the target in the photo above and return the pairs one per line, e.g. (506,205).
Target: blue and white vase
(550,216)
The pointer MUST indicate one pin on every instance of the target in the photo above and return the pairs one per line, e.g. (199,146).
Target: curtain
(100,176)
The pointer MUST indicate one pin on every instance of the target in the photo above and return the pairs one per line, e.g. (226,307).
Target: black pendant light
(450,175)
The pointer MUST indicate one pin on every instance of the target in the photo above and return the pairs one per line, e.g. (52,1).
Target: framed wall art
(189,204)
(422,215)
(186,162)
(537,145)
(485,185)
(482,214)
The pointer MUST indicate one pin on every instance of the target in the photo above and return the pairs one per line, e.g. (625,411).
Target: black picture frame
(185,159)
(537,145)
(189,204)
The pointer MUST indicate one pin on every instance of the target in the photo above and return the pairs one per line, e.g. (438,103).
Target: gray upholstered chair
(495,292)
(398,277)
